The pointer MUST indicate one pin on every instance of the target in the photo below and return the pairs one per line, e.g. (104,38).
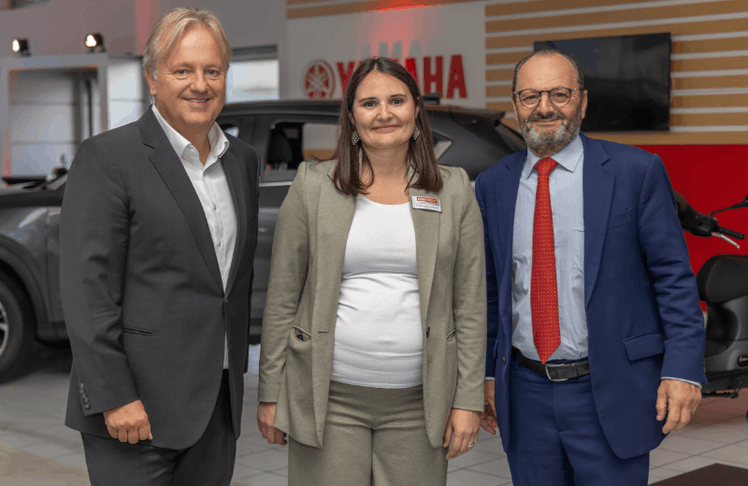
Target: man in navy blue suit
(595,335)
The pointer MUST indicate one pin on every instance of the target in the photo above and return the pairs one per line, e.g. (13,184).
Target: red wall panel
(710,177)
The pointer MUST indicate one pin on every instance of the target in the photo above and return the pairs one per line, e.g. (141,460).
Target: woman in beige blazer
(374,333)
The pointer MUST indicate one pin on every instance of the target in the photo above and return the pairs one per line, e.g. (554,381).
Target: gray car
(283,132)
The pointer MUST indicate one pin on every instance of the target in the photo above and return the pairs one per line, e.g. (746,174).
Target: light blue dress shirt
(567,206)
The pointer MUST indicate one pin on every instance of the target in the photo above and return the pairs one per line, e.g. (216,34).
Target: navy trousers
(557,439)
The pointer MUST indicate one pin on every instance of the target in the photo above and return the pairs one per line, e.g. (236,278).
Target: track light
(21,46)
(95,42)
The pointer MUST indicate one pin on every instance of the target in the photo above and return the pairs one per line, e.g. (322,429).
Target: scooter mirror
(742,204)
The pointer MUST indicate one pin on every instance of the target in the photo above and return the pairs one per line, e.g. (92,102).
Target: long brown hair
(348,171)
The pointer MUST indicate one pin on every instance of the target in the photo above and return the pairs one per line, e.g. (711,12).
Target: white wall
(42,106)
(59,26)
(46,113)
(453,34)
(45,110)
(128,92)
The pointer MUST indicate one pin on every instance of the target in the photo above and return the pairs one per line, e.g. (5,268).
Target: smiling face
(190,86)
(548,128)
(383,112)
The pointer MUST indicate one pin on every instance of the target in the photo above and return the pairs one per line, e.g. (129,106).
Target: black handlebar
(700,224)
(730,233)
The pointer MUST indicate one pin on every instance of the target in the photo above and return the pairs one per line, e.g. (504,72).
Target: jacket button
(428,329)
(226,300)
(87,406)
(81,386)
(503,358)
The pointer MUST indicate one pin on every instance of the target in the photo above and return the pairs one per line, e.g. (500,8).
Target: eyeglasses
(530,98)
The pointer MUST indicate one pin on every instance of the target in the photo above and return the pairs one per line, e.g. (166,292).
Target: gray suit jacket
(141,288)
(301,308)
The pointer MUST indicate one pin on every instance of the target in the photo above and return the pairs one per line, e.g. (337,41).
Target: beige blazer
(302,301)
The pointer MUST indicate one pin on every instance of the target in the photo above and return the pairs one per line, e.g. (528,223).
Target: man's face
(190,86)
(548,128)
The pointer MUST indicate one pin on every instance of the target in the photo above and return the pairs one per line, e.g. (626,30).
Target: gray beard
(553,141)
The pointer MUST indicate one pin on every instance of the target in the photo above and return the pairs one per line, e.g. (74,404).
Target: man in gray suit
(158,231)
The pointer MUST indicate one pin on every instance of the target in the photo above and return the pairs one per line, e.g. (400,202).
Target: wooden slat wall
(297,9)
(709,74)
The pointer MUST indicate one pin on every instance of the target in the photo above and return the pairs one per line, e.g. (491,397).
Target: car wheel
(16,326)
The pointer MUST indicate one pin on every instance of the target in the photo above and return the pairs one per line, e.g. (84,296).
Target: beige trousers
(373,436)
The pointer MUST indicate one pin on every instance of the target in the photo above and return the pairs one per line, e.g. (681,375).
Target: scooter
(723,285)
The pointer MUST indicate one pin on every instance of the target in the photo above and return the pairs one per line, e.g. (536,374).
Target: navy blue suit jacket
(641,302)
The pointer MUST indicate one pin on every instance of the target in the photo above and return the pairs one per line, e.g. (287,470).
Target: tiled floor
(37,450)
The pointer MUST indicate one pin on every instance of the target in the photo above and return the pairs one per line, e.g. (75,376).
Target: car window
(441,144)
(319,140)
(230,128)
(510,137)
(290,143)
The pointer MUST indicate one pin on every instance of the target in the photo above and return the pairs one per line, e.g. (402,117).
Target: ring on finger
(471,445)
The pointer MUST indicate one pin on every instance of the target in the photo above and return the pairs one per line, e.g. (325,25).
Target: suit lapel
(426,225)
(598,186)
(234,178)
(170,168)
(506,202)
(334,217)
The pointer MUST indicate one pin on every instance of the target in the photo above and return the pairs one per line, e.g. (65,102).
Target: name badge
(427,203)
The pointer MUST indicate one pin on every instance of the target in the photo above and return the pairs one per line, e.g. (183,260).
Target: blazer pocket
(297,390)
(301,334)
(619,219)
(139,332)
(644,346)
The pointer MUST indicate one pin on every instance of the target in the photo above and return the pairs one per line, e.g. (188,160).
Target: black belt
(555,372)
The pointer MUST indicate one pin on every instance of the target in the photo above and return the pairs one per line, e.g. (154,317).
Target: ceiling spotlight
(21,46)
(95,42)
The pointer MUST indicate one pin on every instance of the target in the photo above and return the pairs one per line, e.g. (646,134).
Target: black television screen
(627,80)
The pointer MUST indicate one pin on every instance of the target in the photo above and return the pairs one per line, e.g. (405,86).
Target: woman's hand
(265,418)
(462,432)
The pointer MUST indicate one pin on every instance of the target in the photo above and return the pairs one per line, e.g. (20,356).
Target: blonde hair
(169,29)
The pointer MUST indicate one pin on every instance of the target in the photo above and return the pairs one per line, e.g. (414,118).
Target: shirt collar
(568,157)
(219,144)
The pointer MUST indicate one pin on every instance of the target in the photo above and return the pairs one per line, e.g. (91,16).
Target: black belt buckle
(547,366)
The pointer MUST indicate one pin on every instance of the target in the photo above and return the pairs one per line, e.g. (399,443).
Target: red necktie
(543,292)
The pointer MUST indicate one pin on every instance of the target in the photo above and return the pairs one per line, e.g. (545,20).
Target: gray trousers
(373,436)
(209,462)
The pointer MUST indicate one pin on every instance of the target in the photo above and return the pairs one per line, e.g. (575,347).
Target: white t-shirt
(378,332)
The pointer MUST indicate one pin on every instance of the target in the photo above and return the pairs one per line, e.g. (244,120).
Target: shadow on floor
(52,359)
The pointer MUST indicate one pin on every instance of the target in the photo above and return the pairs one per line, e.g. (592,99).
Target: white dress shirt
(212,189)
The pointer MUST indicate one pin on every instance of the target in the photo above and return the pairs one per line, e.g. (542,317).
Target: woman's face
(384,113)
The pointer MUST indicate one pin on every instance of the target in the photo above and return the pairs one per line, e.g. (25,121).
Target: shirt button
(218,244)
(214,207)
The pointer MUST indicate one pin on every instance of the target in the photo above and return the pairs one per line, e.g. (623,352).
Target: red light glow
(385,5)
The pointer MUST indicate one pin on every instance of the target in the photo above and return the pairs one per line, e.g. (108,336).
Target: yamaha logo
(318,81)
